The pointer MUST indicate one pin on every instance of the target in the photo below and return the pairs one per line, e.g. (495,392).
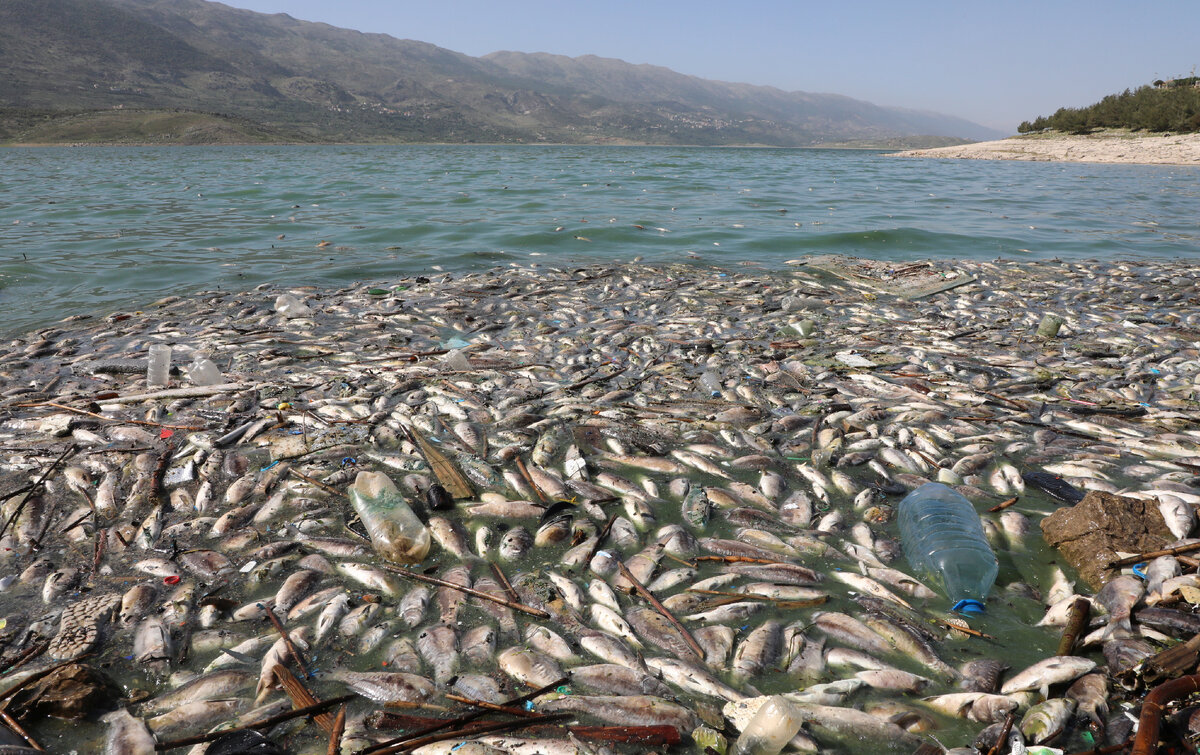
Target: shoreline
(1110,147)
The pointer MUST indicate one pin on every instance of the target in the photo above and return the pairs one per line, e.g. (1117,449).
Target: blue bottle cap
(967,605)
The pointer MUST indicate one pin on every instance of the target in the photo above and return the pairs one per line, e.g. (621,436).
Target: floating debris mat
(907,280)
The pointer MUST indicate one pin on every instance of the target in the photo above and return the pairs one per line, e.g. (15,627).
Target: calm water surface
(91,231)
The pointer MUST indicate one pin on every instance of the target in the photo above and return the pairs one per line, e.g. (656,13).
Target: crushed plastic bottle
(158,366)
(942,537)
(396,532)
(455,359)
(204,372)
(771,728)
(290,307)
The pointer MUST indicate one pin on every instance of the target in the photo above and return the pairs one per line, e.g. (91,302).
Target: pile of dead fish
(551,429)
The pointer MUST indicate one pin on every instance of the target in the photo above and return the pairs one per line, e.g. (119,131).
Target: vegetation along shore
(655,495)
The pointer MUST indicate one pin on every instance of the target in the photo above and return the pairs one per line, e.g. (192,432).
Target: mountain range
(200,72)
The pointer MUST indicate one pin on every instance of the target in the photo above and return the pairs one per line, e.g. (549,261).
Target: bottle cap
(967,605)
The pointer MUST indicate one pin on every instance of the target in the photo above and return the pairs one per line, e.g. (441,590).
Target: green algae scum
(644,559)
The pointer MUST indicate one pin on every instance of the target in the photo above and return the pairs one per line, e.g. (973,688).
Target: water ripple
(104,229)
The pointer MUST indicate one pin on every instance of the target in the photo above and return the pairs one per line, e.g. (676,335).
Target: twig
(443,583)
(600,539)
(21,506)
(327,488)
(1003,505)
(462,720)
(118,419)
(287,640)
(26,656)
(504,583)
(198,391)
(739,560)
(491,706)
(262,724)
(1077,619)
(473,731)
(964,630)
(19,731)
(335,736)
(529,480)
(1002,740)
(1128,560)
(658,606)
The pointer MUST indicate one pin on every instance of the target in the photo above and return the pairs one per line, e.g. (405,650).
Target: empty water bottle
(942,537)
(158,366)
(203,372)
(710,383)
(395,530)
(771,728)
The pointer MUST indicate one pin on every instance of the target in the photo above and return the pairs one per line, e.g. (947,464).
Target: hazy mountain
(273,77)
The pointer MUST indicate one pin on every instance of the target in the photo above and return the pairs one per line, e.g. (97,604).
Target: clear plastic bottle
(203,372)
(710,383)
(158,366)
(395,530)
(942,537)
(770,729)
(291,307)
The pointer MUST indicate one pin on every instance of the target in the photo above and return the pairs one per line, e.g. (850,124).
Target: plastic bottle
(290,307)
(158,366)
(203,372)
(395,530)
(771,728)
(942,536)
(710,383)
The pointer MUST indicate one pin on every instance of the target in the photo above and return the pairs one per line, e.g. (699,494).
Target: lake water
(96,230)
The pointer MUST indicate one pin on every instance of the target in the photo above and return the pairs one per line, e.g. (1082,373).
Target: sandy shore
(1107,147)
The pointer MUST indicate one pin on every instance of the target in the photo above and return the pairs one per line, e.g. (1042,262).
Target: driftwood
(658,606)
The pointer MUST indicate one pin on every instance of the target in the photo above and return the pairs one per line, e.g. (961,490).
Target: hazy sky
(994,63)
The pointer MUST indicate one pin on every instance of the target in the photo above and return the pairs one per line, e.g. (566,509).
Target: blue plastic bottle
(942,537)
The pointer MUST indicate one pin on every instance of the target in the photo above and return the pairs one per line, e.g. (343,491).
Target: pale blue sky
(993,63)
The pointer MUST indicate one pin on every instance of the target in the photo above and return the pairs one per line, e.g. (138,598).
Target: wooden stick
(263,724)
(1128,560)
(301,697)
(443,583)
(26,656)
(529,480)
(198,391)
(739,560)
(335,736)
(461,720)
(1003,505)
(964,630)
(504,583)
(490,706)
(328,489)
(1002,741)
(600,539)
(287,640)
(121,421)
(19,731)
(473,731)
(1077,620)
(658,606)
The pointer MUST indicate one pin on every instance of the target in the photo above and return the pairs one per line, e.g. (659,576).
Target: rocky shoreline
(1103,147)
(732,440)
